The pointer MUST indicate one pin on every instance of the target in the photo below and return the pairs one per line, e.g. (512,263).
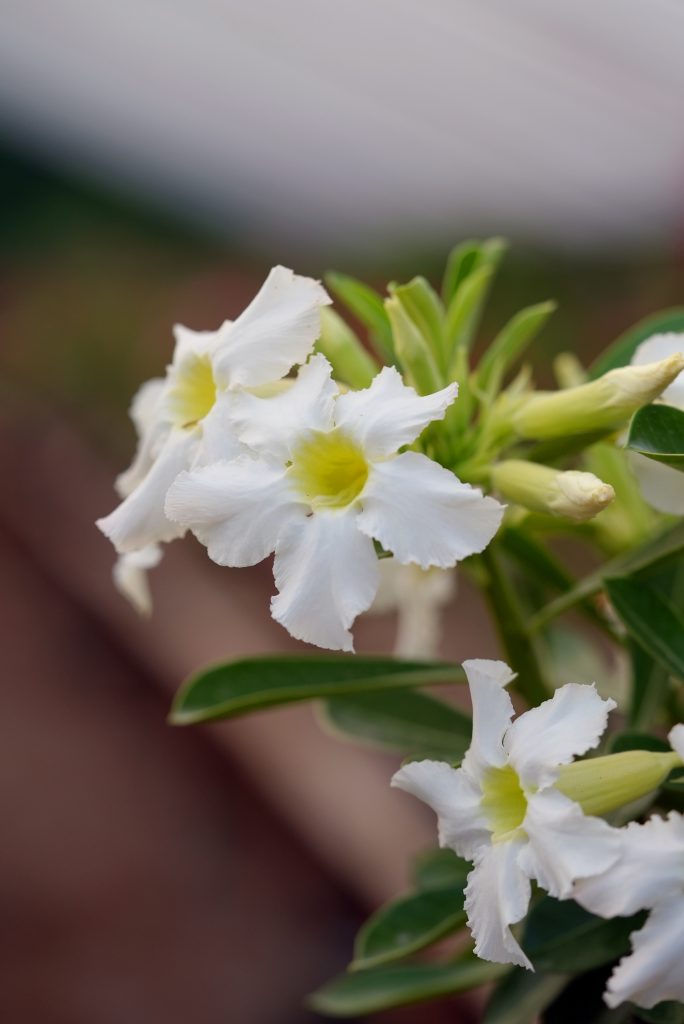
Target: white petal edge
(454,798)
(662,487)
(657,347)
(567,725)
(492,714)
(676,739)
(152,431)
(653,972)
(388,414)
(140,519)
(423,514)
(237,509)
(219,438)
(130,577)
(274,333)
(497,895)
(326,572)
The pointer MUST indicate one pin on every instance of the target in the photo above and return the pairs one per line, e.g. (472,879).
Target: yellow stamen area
(329,469)
(193,393)
(503,802)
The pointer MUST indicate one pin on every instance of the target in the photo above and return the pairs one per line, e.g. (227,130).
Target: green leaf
(650,686)
(235,688)
(461,262)
(381,988)
(521,996)
(562,937)
(423,305)
(510,343)
(343,350)
(368,307)
(665,545)
(405,721)
(413,350)
(408,924)
(657,431)
(663,1013)
(437,869)
(638,741)
(655,624)
(621,351)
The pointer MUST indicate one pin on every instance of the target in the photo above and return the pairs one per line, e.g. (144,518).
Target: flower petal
(140,519)
(676,738)
(152,431)
(130,576)
(552,734)
(219,439)
(564,843)
(454,798)
(273,425)
(193,344)
(657,347)
(388,413)
(492,714)
(653,972)
(661,486)
(497,896)
(276,331)
(236,509)
(422,513)
(650,869)
(326,572)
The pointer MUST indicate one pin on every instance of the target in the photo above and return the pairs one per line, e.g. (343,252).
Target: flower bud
(602,404)
(602,784)
(571,494)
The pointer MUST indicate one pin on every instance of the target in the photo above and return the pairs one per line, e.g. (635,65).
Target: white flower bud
(569,494)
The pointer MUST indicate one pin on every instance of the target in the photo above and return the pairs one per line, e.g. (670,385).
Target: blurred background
(156,158)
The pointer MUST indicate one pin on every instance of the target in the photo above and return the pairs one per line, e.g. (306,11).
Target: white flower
(648,874)
(182,420)
(662,486)
(324,479)
(130,576)
(418,597)
(500,808)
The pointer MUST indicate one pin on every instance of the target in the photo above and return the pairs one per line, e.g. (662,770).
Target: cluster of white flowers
(253,464)
(521,811)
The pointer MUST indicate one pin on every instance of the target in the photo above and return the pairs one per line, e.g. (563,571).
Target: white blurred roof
(314,120)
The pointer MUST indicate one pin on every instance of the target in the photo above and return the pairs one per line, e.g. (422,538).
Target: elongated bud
(350,362)
(413,350)
(602,784)
(602,404)
(571,494)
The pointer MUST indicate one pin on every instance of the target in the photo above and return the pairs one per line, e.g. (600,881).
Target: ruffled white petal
(676,738)
(219,438)
(389,414)
(195,344)
(492,714)
(276,331)
(658,347)
(422,513)
(650,870)
(661,486)
(653,973)
(130,577)
(274,425)
(552,734)
(140,519)
(497,895)
(236,509)
(565,844)
(326,572)
(152,431)
(454,798)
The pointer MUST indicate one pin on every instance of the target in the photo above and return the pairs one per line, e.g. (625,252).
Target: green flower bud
(602,784)
(602,404)
(571,494)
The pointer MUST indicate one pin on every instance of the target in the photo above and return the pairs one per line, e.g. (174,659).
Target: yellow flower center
(329,470)
(503,802)
(193,392)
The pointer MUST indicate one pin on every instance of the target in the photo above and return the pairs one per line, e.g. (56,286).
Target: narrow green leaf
(406,721)
(381,988)
(413,349)
(461,262)
(663,1013)
(650,685)
(654,623)
(343,350)
(423,305)
(367,306)
(438,869)
(464,312)
(510,343)
(562,937)
(408,924)
(657,431)
(665,545)
(638,741)
(521,996)
(621,351)
(235,688)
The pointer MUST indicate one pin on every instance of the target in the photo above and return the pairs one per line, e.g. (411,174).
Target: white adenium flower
(648,875)
(130,576)
(183,420)
(323,480)
(662,486)
(500,808)
(418,597)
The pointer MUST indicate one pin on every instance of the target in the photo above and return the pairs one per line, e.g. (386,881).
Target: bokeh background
(156,158)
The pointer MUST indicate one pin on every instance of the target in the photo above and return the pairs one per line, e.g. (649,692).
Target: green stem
(519,646)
